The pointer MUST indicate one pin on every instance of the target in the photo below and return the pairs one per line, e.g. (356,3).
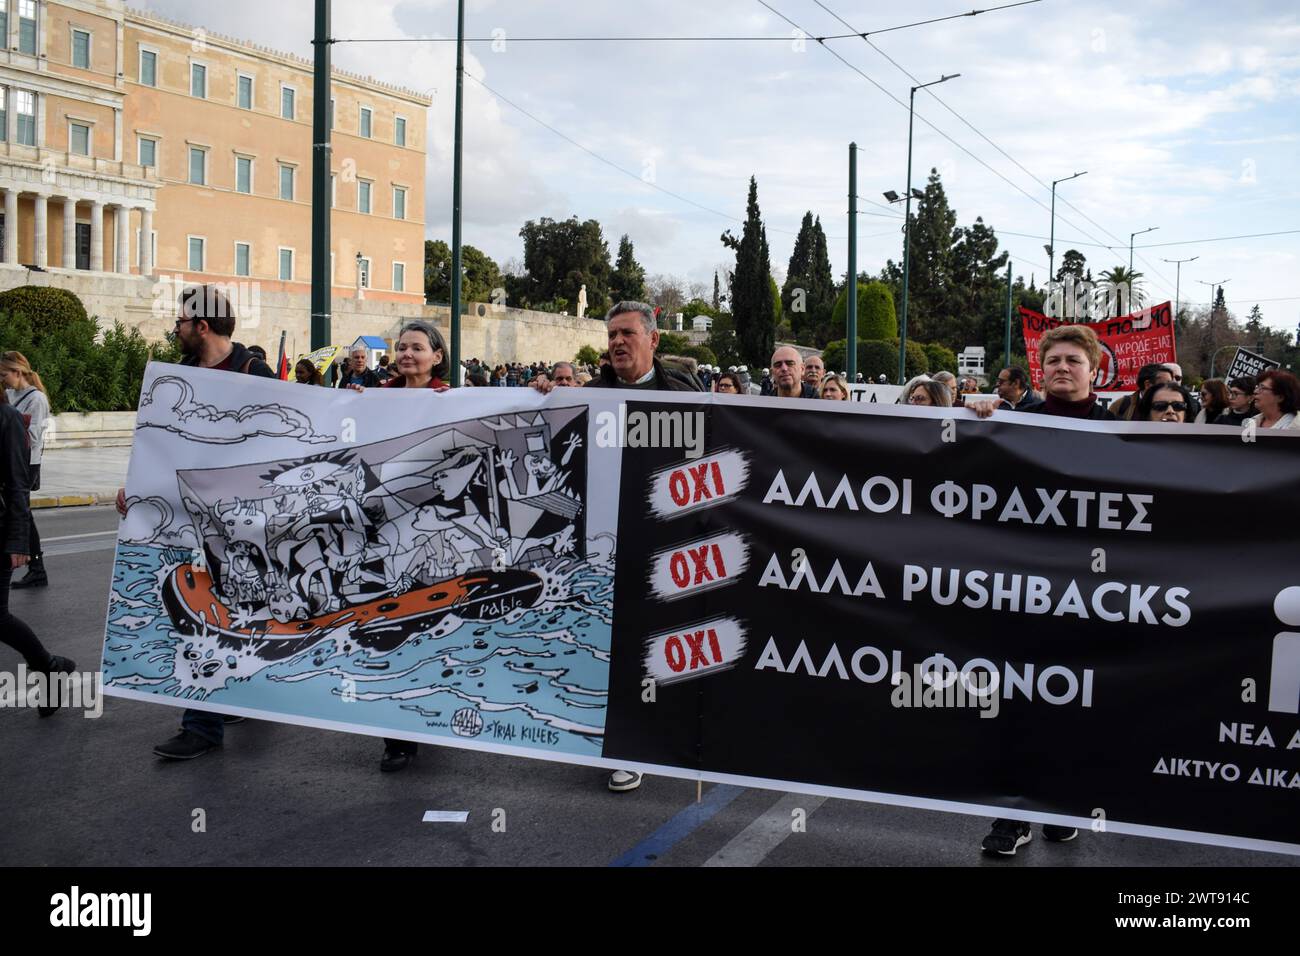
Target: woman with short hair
(1241,401)
(1277,396)
(930,393)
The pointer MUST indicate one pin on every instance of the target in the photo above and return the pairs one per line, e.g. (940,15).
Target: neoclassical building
(135,148)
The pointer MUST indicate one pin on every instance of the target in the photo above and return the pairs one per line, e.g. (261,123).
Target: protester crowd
(1069,357)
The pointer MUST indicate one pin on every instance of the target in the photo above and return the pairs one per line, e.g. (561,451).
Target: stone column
(69,233)
(123,220)
(40,230)
(11,227)
(146,243)
(96,236)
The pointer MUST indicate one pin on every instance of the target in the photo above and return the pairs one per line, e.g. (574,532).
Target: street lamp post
(1213,285)
(907,226)
(1051,240)
(1178,276)
(1130,245)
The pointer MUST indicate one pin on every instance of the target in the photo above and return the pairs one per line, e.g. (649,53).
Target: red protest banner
(1127,343)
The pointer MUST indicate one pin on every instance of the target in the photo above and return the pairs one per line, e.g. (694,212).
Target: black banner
(790,605)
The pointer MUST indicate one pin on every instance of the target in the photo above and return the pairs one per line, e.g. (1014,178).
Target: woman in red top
(421,363)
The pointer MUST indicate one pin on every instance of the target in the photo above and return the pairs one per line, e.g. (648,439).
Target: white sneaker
(621,780)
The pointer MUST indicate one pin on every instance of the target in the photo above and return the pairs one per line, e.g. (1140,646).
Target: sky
(1185,116)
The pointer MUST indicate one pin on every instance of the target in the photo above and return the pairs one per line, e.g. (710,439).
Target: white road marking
(752,845)
(88,534)
(445,816)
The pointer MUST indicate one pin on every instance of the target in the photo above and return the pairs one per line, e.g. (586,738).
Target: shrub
(875,358)
(876,316)
(587,355)
(940,357)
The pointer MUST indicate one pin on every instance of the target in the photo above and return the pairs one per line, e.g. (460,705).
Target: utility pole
(1178,277)
(1130,247)
(455,194)
(851,296)
(1051,247)
(1006,351)
(320,181)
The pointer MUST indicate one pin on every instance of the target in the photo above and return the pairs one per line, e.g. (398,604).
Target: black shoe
(58,665)
(229,719)
(35,576)
(394,760)
(185,746)
(1054,834)
(1006,837)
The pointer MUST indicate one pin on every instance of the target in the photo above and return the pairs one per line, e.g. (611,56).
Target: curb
(74,499)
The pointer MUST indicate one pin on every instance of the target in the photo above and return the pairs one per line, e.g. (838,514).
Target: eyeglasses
(179,321)
(1262,388)
(1165,406)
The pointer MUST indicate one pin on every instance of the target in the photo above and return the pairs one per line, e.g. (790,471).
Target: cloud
(169,404)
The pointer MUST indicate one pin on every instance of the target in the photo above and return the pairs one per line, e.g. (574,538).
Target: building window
(79,139)
(242,255)
(148,152)
(363,126)
(286,265)
(27,27)
(363,269)
(4,97)
(198,166)
(148,68)
(245,92)
(243,174)
(363,196)
(196,254)
(286,182)
(81,49)
(399,202)
(399,277)
(399,131)
(287,95)
(199,80)
(26,106)
(4,22)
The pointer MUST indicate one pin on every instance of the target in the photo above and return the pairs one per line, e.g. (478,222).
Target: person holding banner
(1277,396)
(1125,408)
(931,393)
(1241,401)
(1168,402)
(1013,388)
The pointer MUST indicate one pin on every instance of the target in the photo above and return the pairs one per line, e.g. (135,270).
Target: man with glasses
(787,375)
(205,321)
(1013,388)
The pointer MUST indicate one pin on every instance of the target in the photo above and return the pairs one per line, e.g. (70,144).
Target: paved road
(88,792)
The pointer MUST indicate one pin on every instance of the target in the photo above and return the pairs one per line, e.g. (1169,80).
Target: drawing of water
(538,678)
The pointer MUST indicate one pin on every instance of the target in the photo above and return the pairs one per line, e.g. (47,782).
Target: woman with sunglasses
(1167,402)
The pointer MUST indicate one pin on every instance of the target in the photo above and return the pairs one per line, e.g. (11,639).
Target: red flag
(282,367)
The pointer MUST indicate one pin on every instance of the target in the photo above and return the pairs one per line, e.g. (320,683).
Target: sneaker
(394,760)
(623,780)
(58,665)
(1054,834)
(185,746)
(35,576)
(1006,837)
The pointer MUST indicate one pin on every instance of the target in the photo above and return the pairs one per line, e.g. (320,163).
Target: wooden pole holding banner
(1006,350)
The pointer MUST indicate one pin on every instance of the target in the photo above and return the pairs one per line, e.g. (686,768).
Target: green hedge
(81,374)
(876,358)
(876,316)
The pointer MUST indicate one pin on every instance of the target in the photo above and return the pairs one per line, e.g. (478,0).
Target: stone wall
(488,332)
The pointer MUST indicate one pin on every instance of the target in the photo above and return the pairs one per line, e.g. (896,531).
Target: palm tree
(1120,292)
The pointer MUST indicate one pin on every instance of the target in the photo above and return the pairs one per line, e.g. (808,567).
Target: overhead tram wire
(980,133)
(886,92)
(615,166)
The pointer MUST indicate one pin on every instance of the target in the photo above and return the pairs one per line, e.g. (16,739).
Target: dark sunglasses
(1165,406)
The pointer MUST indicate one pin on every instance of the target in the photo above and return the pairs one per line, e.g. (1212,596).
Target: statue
(582,301)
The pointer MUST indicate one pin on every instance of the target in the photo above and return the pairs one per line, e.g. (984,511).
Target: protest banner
(841,598)
(1247,364)
(878,394)
(1127,343)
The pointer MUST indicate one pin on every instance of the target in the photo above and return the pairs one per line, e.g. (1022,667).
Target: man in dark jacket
(1013,388)
(787,375)
(633,338)
(204,323)
(358,372)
